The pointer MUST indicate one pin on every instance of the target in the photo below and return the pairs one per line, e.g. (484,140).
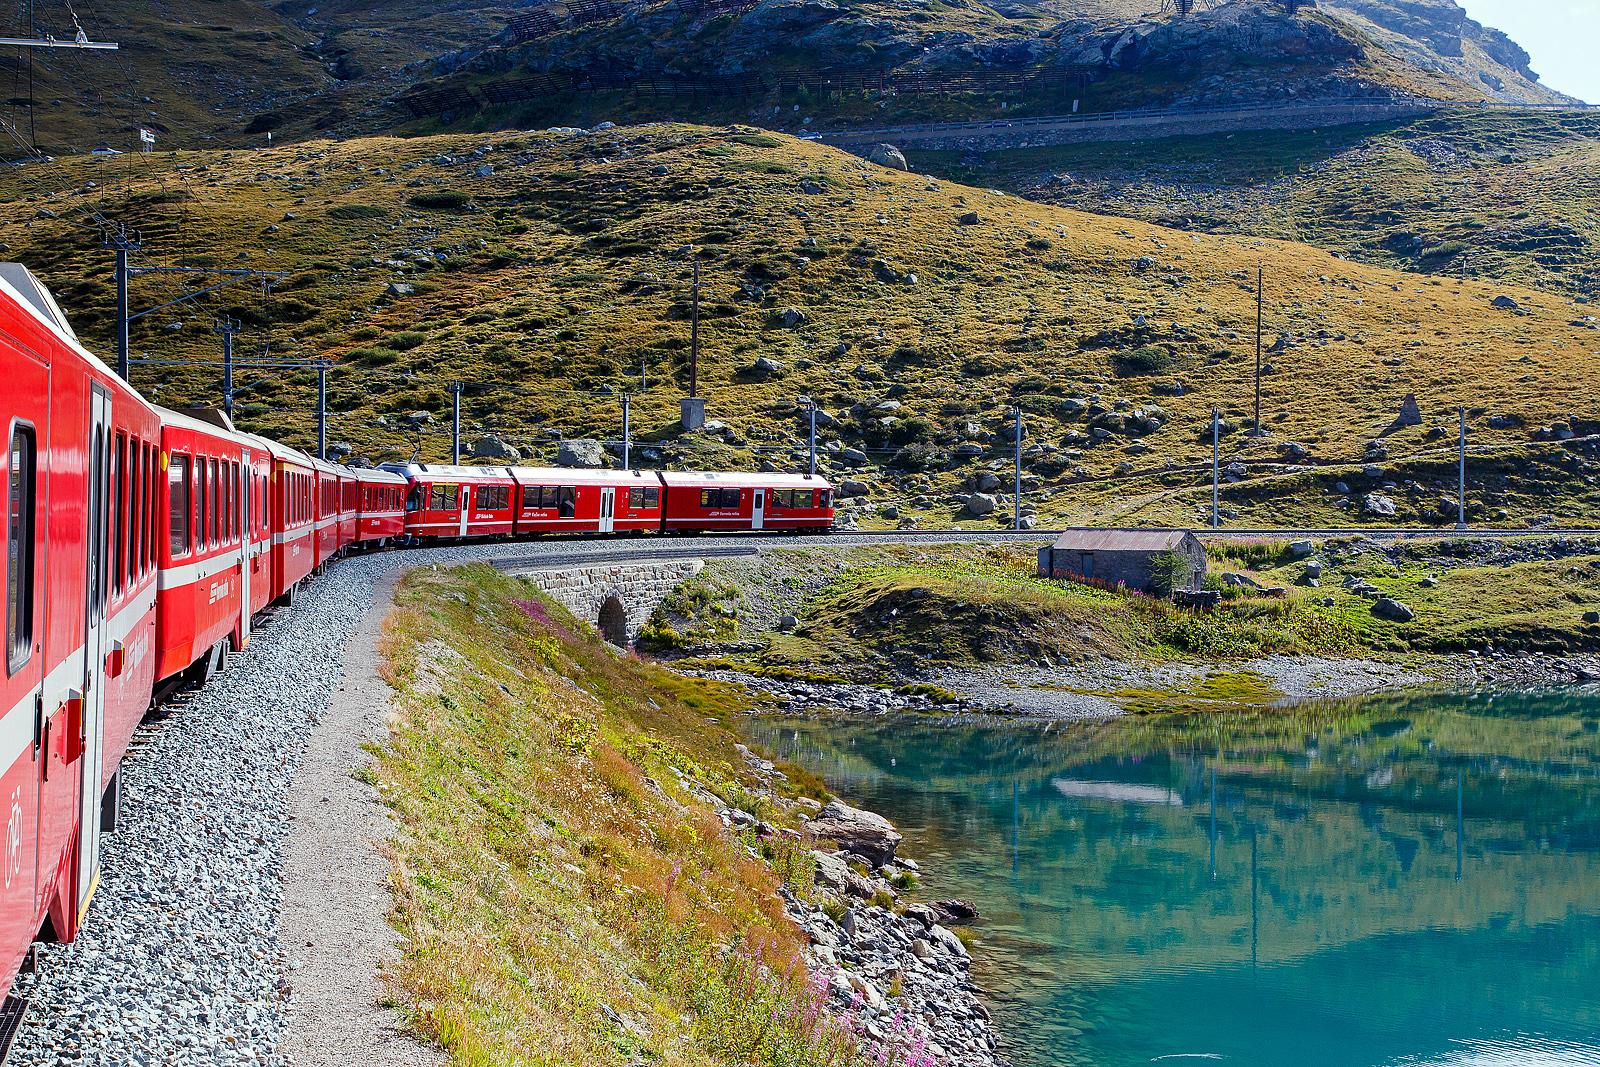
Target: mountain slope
(1457,193)
(548,270)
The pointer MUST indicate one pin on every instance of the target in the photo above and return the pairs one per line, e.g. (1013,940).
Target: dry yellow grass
(573,270)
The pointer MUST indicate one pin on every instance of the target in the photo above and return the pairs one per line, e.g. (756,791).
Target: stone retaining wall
(1133,126)
(597,591)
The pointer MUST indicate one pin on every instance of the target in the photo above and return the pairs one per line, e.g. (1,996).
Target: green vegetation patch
(562,897)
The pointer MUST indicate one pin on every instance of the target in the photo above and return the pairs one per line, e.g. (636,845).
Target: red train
(466,502)
(140,542)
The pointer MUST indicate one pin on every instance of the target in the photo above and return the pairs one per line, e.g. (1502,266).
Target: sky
(1560,35)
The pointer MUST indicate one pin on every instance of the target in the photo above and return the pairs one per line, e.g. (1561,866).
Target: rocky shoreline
(894,970)
(1087,691)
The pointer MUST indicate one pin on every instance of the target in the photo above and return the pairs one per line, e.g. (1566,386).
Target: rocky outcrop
(581,454)
(872,837)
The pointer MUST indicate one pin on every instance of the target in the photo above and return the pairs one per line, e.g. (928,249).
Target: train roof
(444,470)
(376,474)
(35,296)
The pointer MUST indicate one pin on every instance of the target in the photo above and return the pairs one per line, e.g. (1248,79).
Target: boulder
(580,454)
(422,418)
(792,317)
(1313,570)
(981,504)
(969,219)
(987,482)
(1504,302)
(1591,616)
(788,623)
(853,830)
(1379,505)
(887,155)
(1389,608)
(853,457)
(1341,488)
(1410,414)
(397,289)
(492,447)
(851,487)
(1301,549)
(764,368)
(831,870)
(1071,408)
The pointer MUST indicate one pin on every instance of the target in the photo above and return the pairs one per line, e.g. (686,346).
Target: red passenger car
(456,502)
(293,487)
(380,507)
(564,500)
(719,500)
(83,482)
(202,610)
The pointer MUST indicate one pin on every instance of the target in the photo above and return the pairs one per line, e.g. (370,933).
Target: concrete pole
(1016,510)
(122,311)
(625,457)
(1216,454)
(1461,482)
(227,372)
(813,405)
(1258,350)
(455,423)
(322,412)
(694,335)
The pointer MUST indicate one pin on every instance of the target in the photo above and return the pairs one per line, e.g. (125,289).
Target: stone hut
(1128,557)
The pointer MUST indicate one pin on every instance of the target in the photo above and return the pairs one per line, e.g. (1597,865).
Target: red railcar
(380,507)
(83,529)
(720,500)
(327,510)
(564,500)
(204,605)
(443,501)
(293,517)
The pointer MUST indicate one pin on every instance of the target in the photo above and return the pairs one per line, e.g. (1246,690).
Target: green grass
(552,876)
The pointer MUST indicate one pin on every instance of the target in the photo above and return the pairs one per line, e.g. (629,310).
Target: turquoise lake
(1404,879)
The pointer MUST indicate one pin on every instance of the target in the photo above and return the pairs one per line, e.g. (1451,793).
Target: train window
(481,497)
(237,511)
(710,498)
(436,498)
(178,503)
(214,520)
(652,497)
(778,499)
(147,537)
(20,509)
(130,563)
(414,498)
(225,517)
(549,496)
(822,498)
(730,498)
(636,497)
(119,525)
(569,501)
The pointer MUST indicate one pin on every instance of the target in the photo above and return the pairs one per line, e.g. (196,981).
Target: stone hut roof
(1102,539)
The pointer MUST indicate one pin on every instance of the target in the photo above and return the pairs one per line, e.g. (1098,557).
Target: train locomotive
(141,543)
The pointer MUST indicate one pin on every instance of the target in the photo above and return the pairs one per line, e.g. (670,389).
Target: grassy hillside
(1461,193)
(545,270)
(564,890)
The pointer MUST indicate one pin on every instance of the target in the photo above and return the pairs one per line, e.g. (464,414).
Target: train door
(246,532)
(465,503)
(27,465)
(86,738)
(608,509)
(757,509)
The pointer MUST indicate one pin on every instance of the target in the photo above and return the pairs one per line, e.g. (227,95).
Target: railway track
(569,554)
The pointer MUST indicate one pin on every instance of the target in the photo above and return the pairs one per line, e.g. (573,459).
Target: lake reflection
(1399,880)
